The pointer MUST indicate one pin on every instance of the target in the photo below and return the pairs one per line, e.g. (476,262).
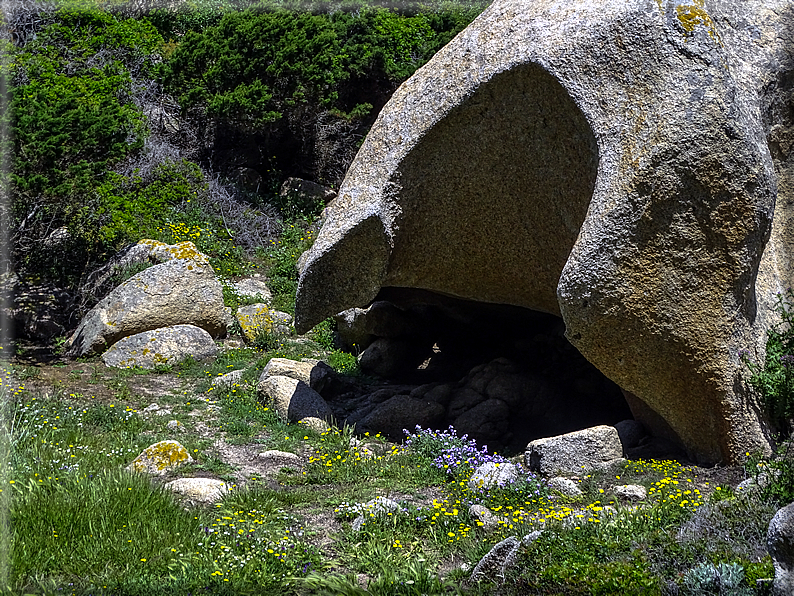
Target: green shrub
(253,67)
(775,379)
(72,119)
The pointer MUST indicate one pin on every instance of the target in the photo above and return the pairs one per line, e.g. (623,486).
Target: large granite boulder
(180,291)
(625,164)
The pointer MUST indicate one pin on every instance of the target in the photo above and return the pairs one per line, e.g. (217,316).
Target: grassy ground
(81,524)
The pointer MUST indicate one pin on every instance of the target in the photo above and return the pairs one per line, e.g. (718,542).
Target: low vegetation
(81,524)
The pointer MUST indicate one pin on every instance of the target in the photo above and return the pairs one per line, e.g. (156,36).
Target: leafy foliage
(72,119)
(775,379)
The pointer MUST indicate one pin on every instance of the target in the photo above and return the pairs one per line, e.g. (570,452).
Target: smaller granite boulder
(165,346)
(315,374)
(484,517)
(160,458)
(780,544)
(630,492)
(576,452)
(229,380)
(183,290)
(255,320)
(493,474)
(377,507)
(565,486)
(293,399)
(398,413)
(253,288)
(201,490)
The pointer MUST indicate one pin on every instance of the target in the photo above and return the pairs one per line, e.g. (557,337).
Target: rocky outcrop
(316,374)
(180,291)
(625,164)
(161,347)
(574,453)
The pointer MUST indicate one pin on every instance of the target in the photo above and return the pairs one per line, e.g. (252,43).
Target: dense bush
(72,119)
(282,92)
(301,87)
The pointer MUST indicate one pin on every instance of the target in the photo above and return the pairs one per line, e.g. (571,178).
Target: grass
(80,522)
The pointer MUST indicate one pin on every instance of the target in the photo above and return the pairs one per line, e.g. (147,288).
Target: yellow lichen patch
(256,322)
(692,15)
(183,250)
(153,243)
(160,457)
(187,250)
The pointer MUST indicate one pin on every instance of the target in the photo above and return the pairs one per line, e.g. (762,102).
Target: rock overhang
(606,162)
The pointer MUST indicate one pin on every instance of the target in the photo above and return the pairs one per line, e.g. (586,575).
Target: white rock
(204,490)
(164,346)
(576,452)
(631,492)
(493,474)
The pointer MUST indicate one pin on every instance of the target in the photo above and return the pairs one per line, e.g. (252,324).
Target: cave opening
(504,375)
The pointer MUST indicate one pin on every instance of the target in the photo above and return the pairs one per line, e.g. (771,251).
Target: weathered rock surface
(253,287)
(166,346)
(293,399)
(398,413)
(493,474)
(625,164)
(160,458)
(180,291)
(565,486)
(576,452)
(200,490)
(780,543)
(315,374)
